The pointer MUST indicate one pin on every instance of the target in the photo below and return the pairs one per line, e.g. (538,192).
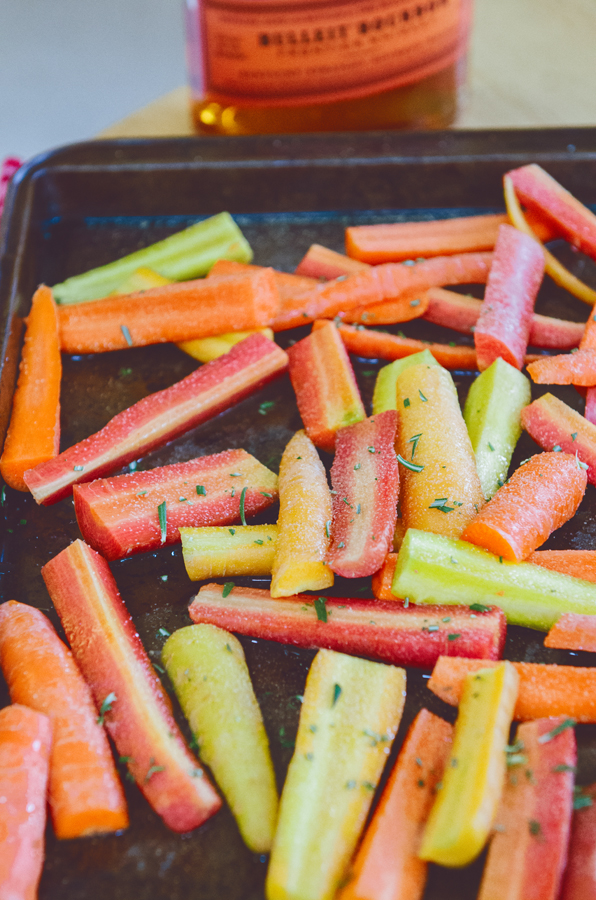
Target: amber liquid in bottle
(430,101)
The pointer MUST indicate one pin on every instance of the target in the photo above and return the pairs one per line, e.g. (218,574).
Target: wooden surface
(532,63)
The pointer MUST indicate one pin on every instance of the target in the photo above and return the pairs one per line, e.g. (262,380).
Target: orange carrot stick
(85,792)
(176,312)
(566,368)
(540,496)
(544,690)
(573,632)
(411,305)
(387,866)
(440,237)
(380,345)
(383,579)
(34,433)
(325,301)
(25,740)
(577,563)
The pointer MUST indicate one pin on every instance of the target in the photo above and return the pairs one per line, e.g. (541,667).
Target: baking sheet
(85,205)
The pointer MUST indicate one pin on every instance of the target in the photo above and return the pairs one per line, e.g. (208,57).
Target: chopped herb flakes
(105,707)
(163,632)
(413,467)
(163,522)
(534,826)
(227,589)
(336,694)
(414,442)
(126,334)
(357,466)
(328,528)
(574,435)
(490,447)
(258,541)
(265,494)
(284,741)
(557,448)
(124,372)
(407,402)
(441,503)
(558,729)
(78,468)
(232,531)
(201,490)
(479,607)
(563,767)
(580,800)
(422,397)
(153,770)
(321,609)
(268,404)
(242,501)
(453,637)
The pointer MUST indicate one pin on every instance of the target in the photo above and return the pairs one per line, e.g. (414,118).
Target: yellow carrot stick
(304,521)
(461,818)
(441,490)
(219,551)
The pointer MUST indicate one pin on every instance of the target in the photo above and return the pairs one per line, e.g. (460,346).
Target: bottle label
(271,52)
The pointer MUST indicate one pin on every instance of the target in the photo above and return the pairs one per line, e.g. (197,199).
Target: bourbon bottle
(267,66)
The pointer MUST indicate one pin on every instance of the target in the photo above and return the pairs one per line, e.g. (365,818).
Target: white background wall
(69,68)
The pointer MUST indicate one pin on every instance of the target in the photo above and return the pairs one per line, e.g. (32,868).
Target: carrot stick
(457,311)
(539,497)
(325,301)
(85,792)
(175,312)
(387,866)
(503,327)
(320,262)
(573,632)
(411,305)
(380,345)
(399,279)
(544,690)
(288,284)
(566,368)
(557,271)
(25,740)
(440,237)
(577,563)
(34,432)
(383,579)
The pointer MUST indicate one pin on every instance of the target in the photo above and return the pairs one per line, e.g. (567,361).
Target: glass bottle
(280,66)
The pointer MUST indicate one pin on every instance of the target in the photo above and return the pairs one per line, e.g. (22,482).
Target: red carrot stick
(577,563)
(34,432)
(85,792)
(181,311)
(544,690)
(25,741)
(579,880)
(461,313)
(539,497)
(389,632)
(554,424)
(365,478)
(325,386)
(528,852)
(588,341)
(120,516)
(439,237)
(387,865)
(132,701)
(566,368)
(573,632)
(541,193)
(503,327)
(320,262)
(160,417)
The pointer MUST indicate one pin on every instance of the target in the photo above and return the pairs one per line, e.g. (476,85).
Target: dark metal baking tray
(86,204)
